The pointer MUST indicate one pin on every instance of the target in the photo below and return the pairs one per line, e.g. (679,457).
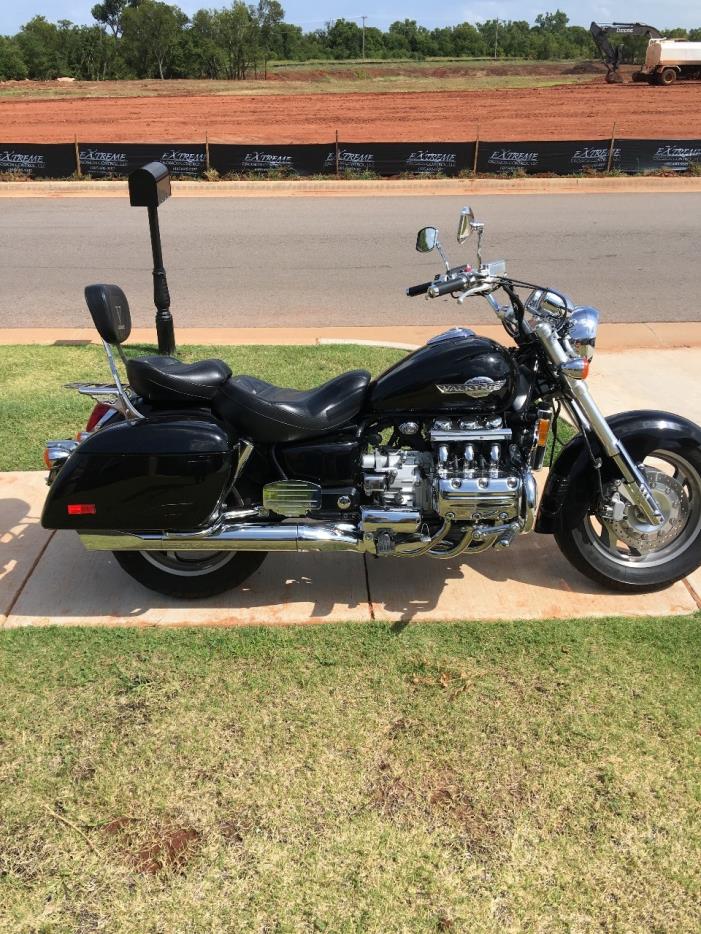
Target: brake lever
(483,288)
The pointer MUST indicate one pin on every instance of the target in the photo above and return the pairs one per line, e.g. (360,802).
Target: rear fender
(572,478)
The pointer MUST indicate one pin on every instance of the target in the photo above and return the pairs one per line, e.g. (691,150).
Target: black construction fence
(567,157)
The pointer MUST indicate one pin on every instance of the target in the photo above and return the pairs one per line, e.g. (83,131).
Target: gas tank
(455,372)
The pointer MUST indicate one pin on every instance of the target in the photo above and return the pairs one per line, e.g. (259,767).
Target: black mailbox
(149,186)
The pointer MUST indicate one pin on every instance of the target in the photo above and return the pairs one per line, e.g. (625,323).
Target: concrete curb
(353,187)
(619,337)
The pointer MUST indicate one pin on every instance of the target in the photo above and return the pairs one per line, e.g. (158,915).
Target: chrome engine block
(399,478)
(473,481)
(476,480)
(469,473)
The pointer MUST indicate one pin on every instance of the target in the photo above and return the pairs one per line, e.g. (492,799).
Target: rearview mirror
(426,239)
(465,224)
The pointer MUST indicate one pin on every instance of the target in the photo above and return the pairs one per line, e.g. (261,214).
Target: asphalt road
(344,261)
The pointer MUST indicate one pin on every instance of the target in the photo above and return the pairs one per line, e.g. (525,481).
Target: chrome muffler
(236,537)
(231,534)
(301,536)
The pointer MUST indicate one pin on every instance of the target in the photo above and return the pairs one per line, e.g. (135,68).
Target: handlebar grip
(419,289)
(445,288)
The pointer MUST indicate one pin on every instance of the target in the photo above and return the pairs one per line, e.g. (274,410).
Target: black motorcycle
(191,475)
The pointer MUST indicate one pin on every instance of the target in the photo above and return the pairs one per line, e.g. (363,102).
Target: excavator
(611,54)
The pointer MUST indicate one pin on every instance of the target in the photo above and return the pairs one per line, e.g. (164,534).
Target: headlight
(584,323)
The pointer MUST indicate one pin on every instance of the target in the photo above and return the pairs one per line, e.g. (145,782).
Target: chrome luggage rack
(115,393)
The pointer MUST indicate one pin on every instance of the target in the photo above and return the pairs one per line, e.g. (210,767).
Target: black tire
(582,547)
(206,576)
(580,553)
(667,76)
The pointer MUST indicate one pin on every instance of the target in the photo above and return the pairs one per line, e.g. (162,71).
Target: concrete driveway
(49,579)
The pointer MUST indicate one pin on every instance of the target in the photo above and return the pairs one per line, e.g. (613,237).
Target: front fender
(573,477)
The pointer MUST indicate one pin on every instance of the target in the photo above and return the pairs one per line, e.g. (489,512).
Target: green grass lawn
(382,84)
(36,407)
(538,776)
(324,77)
(426,64)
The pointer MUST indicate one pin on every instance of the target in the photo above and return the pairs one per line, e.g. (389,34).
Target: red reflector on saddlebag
(81,509)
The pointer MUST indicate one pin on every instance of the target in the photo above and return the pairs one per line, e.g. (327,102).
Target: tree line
(149,38)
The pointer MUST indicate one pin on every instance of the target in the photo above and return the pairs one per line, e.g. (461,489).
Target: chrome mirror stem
(441,253)
(480,231)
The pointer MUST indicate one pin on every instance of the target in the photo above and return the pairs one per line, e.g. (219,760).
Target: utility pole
(363,19)
(496,36)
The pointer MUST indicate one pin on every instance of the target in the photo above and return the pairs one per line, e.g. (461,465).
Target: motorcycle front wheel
(190,575)
(629,554)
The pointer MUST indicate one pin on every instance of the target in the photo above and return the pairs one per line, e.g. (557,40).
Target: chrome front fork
(581,405)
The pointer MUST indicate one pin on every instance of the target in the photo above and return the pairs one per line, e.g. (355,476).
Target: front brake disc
(634,529)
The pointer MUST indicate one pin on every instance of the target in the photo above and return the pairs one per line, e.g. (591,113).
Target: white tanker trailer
(667,60)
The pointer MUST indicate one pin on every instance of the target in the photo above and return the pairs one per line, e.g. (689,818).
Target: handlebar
(438,287)
(419,289)
(459,283)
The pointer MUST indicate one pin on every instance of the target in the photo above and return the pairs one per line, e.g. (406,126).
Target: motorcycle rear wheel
(594,547)
(190,575)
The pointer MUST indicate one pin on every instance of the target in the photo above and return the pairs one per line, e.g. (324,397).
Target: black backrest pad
(110,312)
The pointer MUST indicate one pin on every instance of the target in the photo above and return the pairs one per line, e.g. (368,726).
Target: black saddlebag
(164,472)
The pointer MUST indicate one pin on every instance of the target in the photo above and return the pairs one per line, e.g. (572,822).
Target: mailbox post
(149,187)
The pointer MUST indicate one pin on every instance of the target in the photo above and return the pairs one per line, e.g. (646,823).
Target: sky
(303,12)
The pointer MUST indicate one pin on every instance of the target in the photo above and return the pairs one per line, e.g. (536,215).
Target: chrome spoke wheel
(630,540)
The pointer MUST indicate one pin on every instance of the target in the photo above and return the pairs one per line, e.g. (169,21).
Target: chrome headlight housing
(583,326)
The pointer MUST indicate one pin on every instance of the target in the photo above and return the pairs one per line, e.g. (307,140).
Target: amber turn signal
(577,368)
(543,429)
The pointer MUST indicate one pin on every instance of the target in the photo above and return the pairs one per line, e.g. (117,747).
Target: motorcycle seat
(165,379)
(272,414)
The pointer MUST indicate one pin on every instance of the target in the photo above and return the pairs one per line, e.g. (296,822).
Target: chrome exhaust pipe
(294,537)
(257,537)
(237,537)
